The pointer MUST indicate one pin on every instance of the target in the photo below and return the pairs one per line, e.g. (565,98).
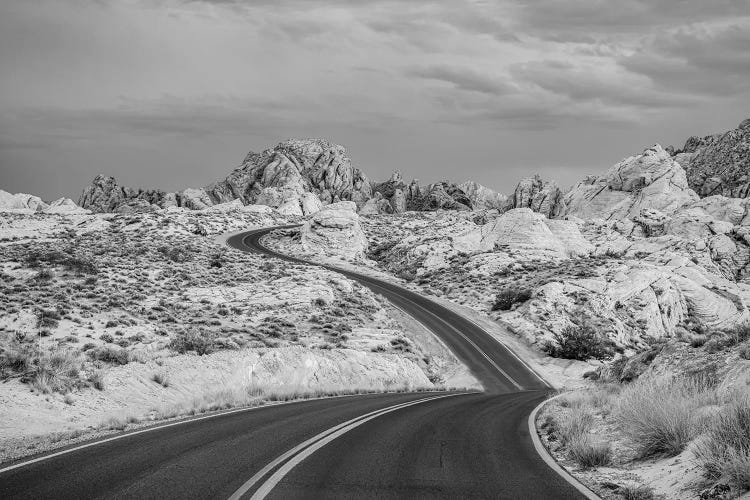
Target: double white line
(296,455)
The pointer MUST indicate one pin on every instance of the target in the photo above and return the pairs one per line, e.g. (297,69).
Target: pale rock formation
(291,207)
(651,180)
(195,199)
(531,233)
(482,197)
(311,204)
(230,206)
(335,229)
(538,195)
(20,202)
(65,206)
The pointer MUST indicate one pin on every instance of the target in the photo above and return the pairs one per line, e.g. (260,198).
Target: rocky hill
(719,163)
(296,177)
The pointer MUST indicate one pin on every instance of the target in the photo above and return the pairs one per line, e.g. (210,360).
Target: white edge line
(247,485)
(549,459)
(511,351)
(321,441)
(185,420)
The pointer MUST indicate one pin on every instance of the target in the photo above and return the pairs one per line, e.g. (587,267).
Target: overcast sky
(174,93)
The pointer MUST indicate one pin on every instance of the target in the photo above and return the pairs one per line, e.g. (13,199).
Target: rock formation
(482,197)
(651,180)
(335,229)
(720,163)
(282,176)
(20,202)
(540,196)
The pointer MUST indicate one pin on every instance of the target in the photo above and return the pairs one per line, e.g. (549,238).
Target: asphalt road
(428,445)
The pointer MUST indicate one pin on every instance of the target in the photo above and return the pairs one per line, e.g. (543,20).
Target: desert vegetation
(94,306)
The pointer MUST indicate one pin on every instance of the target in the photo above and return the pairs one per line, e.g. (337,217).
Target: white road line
(549,460)
(265,470)
(304,450)
(480,351)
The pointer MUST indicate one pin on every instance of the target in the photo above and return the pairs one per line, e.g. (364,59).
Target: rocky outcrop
(540,196)
(105,195)
(482,197)
(20,202)
(287,174)
(719,164)
(65,206)
(335,229)
(440,196)
(651,180)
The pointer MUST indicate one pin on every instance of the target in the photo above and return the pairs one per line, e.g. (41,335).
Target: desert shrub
(573,426)
(636,492)
(588,453)
(97,380)
(581,342)
(216,260)
(109,354)
(745,352)
(658,416)
(161,379)
(57,372)
(176,254)
(508,297)
(724,451)
(44,275)
(201,342)
(106,337)
(47,318)
(16,359)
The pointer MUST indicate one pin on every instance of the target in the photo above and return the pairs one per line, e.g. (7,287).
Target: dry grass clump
(47,372)
(572,431)
(659,416)
(589,453)
(636,492)
(724,450)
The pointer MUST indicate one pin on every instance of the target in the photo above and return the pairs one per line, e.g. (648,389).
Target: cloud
(702,59)
(464,79)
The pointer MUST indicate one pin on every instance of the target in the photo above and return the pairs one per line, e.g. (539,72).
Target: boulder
(65,206)
(538,195)
(335,229)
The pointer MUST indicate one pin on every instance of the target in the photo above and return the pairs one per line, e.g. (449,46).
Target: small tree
(580,342)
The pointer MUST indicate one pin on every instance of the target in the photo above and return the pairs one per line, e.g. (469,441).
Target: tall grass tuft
(659,415)
(724,451)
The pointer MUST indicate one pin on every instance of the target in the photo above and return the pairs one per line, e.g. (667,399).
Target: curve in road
(474,445)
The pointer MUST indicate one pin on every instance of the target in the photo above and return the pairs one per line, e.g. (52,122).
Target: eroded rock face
(538,195)
(20,202)
(105,195)
(651,180)
(287,174)
(719,164)
(440,196)
(482,197)
(335,229)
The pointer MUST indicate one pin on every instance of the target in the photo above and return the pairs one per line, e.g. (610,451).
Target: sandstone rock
(310,203)
(20,202)
(540,196)
(335,229)
(105,195)
(440,196)
(522,230)
(482,197)
(720,163)
(652,180)
(291,207)
(65,206)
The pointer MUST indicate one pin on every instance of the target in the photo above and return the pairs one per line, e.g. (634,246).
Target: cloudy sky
(173,93)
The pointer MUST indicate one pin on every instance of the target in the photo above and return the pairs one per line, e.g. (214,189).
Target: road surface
(410,446)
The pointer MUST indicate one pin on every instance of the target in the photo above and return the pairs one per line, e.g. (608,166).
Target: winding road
(426,445)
